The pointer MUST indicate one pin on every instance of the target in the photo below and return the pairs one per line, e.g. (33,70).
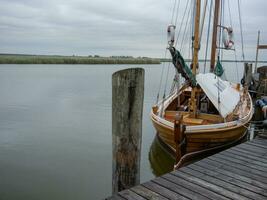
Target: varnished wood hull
(202,138)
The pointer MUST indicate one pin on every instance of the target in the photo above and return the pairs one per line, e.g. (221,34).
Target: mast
(257,52)
(214,35)
(259,46)
(195,58)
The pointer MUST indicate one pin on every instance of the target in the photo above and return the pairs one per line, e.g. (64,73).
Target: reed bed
(36,59)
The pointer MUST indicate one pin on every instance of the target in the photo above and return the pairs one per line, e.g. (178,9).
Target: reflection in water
(161,161)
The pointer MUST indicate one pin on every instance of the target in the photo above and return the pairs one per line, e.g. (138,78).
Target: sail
(221,93)
(181,66)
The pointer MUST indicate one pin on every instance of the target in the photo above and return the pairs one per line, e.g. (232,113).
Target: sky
(112,27)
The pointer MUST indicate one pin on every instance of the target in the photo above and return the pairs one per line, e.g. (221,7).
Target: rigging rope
(220,32)
(177,13)
(207,41)
(231,23)
(222,19)
(218,56)
(230,15)
(185,29)
(241,30)
(165,88)
(189,43)
(165,54)
(203,21)
(161,76)
(178,35)
(173,11)
(222,52)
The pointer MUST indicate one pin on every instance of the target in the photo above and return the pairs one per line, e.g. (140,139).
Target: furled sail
(181,66)
(221,93)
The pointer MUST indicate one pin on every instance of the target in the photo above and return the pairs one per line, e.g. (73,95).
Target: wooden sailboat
(215,112)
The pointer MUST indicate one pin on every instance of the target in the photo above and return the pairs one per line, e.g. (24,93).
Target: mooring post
(127,110)
(257,52)
(179,137)
(247,74)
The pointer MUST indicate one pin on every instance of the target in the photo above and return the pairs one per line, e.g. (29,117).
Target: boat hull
(202,139)
(210,130)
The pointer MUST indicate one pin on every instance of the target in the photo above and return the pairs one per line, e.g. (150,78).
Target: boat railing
(209,126)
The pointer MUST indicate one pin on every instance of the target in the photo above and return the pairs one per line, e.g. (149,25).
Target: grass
(43,59)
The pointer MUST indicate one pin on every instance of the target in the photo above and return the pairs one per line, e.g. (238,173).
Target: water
(55,129)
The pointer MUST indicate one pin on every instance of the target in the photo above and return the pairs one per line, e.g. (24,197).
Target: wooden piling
(247,77)
(127,110)
(247,74)
(257,52)
(179,138)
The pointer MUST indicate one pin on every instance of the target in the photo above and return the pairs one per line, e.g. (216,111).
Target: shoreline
(72,60)
(46,59)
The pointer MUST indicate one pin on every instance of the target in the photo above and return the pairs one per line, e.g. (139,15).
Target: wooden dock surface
(237,173)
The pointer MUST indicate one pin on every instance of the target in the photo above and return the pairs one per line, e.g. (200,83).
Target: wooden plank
(130,195)
(201,190)
(240,167)
(252,148)
(243,158)
(235,159)
(258,193)
(163,191)
(260,141)
(238,153)
(208,185)
(258,145)
(257,165)
(115,197)
(237,171)
(179,189)
(188,120)
(243,193)
(210,165)
(146,193)
(247,152)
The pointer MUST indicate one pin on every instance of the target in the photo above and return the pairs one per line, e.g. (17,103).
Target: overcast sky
(107,27)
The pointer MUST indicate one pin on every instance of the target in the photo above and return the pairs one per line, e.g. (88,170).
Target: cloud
(105,27)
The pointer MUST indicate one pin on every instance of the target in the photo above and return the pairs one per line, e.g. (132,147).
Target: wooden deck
(237,173)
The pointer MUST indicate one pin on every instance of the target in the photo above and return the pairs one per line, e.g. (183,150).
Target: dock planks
(236,173)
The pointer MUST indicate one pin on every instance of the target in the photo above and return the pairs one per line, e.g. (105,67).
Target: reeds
(36,59)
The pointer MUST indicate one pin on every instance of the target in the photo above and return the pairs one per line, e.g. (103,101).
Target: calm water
(55,129)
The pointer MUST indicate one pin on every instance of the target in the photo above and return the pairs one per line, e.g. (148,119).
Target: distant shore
(55,59)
